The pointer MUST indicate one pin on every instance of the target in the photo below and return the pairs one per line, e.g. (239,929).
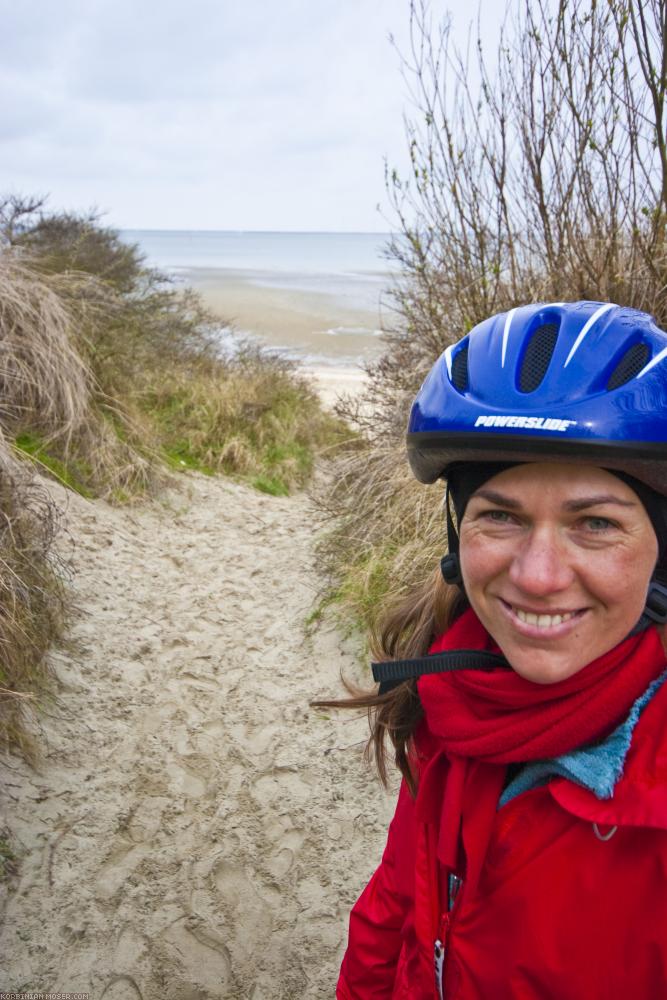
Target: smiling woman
(532,738)
(556,561)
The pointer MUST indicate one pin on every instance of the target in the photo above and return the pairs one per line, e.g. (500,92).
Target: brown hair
(406,630)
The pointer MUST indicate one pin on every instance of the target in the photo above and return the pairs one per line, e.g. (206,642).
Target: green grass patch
(272,485)
(180,457)
(71,473)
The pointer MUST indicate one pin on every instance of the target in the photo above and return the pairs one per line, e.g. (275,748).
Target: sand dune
(193,830)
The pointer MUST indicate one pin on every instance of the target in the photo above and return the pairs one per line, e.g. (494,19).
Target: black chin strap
(393,672)
(449,564)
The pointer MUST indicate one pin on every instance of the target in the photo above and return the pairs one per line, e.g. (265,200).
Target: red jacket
(560,914)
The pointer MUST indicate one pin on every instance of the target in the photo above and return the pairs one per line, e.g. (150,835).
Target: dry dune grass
(32,604)
(54,408)
(44,384)
(386,530)
(43,378)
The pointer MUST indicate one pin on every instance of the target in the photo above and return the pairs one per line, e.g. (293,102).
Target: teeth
(542,621)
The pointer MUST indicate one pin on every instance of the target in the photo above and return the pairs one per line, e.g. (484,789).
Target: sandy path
(187,834)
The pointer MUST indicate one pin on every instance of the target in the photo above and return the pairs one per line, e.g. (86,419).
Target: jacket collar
(623,780)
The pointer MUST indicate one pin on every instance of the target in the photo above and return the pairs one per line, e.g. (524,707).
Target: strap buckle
(656,603)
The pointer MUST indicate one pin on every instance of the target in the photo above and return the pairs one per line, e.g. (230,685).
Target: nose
(540,564)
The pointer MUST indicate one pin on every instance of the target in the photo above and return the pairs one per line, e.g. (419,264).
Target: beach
(330,343)
(308,324)
(193,829)
(320,299)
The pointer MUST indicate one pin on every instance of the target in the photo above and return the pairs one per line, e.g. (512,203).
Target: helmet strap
(450,566)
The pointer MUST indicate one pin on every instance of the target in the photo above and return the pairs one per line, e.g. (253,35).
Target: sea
(318,297)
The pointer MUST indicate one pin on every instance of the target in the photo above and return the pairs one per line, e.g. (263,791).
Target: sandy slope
(190,832)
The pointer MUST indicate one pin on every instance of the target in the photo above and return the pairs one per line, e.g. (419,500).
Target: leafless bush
(547,181)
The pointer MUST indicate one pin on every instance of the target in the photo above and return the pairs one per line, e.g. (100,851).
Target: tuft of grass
(367,581)
(53,403)
(32,446)
(384,535)
(250,416)
(272,485)
(8,860)
(43,377)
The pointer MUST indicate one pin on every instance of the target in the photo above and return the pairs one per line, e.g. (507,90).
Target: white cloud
(213,114)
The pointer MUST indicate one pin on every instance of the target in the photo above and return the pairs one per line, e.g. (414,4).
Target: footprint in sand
(198,960)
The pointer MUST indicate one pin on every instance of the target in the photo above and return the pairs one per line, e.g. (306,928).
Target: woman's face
(556,562)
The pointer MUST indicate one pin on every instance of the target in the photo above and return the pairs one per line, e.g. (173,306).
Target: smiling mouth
(541,619)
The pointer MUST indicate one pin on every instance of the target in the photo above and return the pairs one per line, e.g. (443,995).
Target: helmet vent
(537,357)
(630,365)
(460,369)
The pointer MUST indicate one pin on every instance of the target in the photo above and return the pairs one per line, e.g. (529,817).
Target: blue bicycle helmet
(573,382)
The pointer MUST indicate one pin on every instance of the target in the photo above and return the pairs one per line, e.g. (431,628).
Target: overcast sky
(208,114)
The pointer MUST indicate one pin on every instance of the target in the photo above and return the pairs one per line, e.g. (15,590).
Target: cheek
(482,560)
(620,578)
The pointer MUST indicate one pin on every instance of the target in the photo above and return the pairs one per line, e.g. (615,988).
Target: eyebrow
(569,505)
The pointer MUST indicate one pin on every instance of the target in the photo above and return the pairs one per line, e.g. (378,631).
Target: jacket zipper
(439,956)
(441,943)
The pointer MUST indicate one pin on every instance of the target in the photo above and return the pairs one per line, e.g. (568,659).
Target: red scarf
(483,721)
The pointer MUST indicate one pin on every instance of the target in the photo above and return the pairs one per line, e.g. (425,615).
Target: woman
(528,854)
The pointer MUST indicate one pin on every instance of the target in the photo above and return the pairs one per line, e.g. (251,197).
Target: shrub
(70,241)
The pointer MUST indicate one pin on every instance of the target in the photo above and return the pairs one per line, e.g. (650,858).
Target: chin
(548,665)
(547,671)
